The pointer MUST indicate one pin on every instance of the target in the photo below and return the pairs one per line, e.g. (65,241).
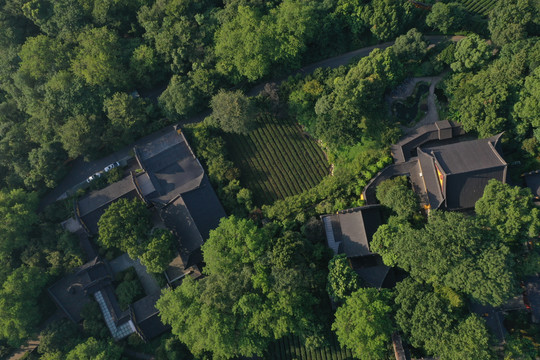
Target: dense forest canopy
(81,79)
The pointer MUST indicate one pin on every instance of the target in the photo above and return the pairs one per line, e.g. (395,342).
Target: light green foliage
(451,250)
(509,211)
(93,349)
(364,323)
(99,58)
(411,46)
(342,280)
(448,18)
(232,111)
(510,20)
(159,252)
(125,225)
(471,54)
(19,310)
(251,294)
(252,42)
(397,195)
(431,322)
(17,216)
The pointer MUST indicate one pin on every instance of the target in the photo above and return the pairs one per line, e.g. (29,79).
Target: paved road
(81,170)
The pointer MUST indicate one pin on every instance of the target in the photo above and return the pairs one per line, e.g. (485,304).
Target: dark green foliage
(59,337)
(19,310)
(128,291)
(364,324)
(509,211)
(251,294)
(398,196)
(448,18)
(93,323)
(93,349)
(484,102)
(233,112)
(18,214)
(519,347)
(471,54)
(342,280)
(125,225)
(172,349)
(159,251)
(511,20)
(451,250)
(411,46)
(433,323)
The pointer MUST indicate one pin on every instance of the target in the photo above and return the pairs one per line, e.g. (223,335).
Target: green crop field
(479,6)
(276,160)
(290,348)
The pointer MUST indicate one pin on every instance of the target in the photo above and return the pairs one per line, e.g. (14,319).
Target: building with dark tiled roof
(94,279)
(455,175)
(350,232)
(173,184)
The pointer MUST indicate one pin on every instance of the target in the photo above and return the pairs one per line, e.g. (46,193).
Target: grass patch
(276,160)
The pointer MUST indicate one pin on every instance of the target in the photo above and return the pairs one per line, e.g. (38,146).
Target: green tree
(397,195)
(127,119)
(388,18)
(18,214)
(509,211)
(466,258)
(127,292)
(342,280)
(448,18)
(433,323)
(509,21)
(527,108)
(46,165)
(125,225)
(410,46)
(251,294)
(364,324)
(19,310)
(471,54)
(59,337)
(78,136)
(180,98)
(93,349)
(99,59)
(232,111)
(159,252)
(519,348)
